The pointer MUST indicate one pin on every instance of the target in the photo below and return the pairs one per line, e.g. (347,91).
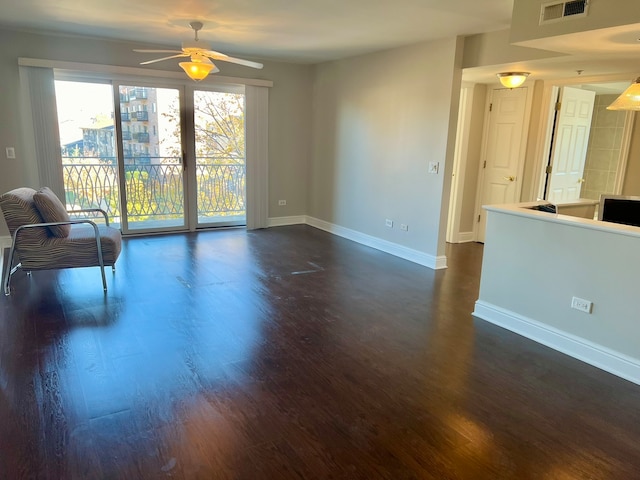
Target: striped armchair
(45,237)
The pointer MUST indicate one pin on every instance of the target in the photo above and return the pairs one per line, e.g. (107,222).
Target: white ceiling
(305,31)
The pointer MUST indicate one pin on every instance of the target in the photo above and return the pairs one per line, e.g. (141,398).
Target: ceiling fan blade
(142,50)
(226,58)
(164,58)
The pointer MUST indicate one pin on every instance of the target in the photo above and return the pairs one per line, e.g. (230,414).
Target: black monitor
(623,209)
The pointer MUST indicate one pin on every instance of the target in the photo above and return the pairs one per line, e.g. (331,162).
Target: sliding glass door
(127,148)
(220,154)
(151,167)
(86,128)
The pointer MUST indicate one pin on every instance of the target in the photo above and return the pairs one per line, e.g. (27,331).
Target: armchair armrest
(91,210)
(96,232)
(10,269)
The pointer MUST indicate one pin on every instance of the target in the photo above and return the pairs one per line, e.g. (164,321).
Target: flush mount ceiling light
(629,99)
(201,54)
(512,79)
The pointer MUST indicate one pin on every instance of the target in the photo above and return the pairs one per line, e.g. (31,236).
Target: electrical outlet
(581,304)
(404,227)
(388,223)
(11,152)
(434,167)
(282,203)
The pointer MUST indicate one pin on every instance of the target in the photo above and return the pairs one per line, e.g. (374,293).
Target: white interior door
(570,141)
(504,141)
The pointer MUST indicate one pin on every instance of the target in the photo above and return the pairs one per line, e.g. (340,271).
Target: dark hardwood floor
(291,353)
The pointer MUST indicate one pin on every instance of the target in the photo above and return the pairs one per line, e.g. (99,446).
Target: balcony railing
(142,116)
(138,159)
(124,116)
(154,191)
(221,188)
(142,137)
(138,93)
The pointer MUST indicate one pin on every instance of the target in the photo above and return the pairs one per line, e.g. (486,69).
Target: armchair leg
(7,275)
(9,270)
(104,279)
(100,257)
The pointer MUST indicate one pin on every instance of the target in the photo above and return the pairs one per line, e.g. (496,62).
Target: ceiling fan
(200,54)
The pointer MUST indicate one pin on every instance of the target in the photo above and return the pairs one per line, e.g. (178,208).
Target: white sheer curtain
(257,133)
(41,99)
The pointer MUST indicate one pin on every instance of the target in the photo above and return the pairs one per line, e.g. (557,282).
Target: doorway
(606,145)
(504,146)
(606,165)
(570,139)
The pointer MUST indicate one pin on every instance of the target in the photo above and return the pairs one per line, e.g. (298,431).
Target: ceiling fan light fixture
(197,69)
(629,99)
(200,53)
(512,79)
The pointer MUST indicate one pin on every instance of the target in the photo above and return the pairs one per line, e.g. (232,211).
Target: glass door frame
(117,83)
(191,154)
(187,138)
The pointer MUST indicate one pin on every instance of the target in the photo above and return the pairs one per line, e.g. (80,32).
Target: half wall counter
(536,262)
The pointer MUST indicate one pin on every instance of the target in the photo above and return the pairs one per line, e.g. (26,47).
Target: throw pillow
(52,210)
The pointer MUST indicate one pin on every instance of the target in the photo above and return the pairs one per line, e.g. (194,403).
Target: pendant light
(629,99)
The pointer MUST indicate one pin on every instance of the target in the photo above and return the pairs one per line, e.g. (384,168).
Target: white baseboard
(462,237)
(415,256)
(608,360)
(283,221)
(465,237)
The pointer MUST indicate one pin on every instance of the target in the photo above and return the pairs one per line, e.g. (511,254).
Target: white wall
(494,48)
(378,120)
(602,14)
(474,150)
(532,163)
(532,267)
(631,185)
(289,109)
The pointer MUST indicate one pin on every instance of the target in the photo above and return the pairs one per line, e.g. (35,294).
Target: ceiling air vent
(556,11)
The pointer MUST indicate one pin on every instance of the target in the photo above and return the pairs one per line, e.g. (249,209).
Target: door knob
(511,178)
(581,180)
